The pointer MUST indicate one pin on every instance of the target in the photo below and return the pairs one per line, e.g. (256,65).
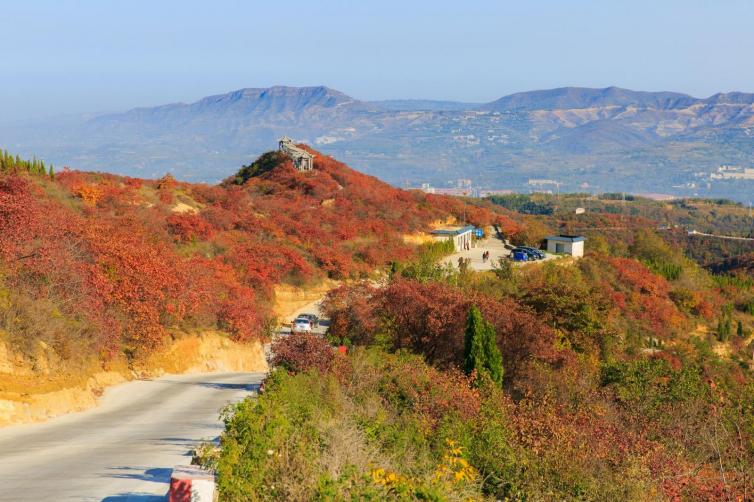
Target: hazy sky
(61,57)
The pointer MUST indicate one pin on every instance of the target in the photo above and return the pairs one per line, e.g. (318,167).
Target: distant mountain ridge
(251,101)
(581,138)
(285,99)
(581,97)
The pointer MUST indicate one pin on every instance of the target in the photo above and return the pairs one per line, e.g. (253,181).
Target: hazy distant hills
(566,98)
(406,105)
(585,139)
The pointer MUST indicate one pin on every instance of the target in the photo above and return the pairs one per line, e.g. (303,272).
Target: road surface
(315,308)
(495,246)
(124,449)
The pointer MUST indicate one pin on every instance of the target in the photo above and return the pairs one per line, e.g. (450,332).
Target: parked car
(537,252)
(519,255)
(530,256)
(301,325)
(312,319)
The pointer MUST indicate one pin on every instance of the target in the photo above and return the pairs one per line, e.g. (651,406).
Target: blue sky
(64,56)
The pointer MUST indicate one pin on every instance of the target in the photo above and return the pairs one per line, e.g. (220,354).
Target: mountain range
(579,138)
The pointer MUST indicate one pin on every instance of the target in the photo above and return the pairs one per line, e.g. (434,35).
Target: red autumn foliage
(115,256)
(238,314)
(647,294)
(431,393)
(189,227)
(638,276)
(301,352)
(429,318)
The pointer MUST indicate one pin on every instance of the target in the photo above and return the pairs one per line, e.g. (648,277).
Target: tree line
(14,163)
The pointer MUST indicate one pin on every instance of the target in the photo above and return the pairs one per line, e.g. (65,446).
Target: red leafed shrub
(351,312)
(19,213)
(705,309)
(301,352)
(189,227)
(261,264)
(431,393)
(238,314)
(334,262)
(647,296)
(429,318)
(637,275)
(141,279)
(134,183)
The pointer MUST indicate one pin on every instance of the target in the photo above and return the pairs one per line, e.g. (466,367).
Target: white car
(301,325)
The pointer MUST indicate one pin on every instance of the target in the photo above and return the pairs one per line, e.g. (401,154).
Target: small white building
(461,236)
(566,244)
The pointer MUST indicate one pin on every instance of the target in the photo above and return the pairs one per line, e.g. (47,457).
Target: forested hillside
(624,375)
(100,267)
(614,216)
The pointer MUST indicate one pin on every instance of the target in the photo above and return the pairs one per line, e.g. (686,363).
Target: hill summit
(108,266)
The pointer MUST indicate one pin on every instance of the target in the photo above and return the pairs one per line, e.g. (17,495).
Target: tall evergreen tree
(740,329)
(494,357)
(481,353)
(473,343)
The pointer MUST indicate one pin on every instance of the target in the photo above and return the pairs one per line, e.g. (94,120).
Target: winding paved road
(124,449)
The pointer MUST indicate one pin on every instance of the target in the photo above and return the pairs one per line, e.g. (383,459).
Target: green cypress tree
(494,357)
(740,329)
(52,173)
(720,330)
(481,353)
(473,342)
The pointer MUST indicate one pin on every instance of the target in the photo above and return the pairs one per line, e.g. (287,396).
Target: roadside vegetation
(620,376)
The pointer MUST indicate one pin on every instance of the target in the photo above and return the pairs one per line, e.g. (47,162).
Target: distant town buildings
(542,182)
(726,172)
(463,188)
(458,192)
(661,197)
(302,160)
(488,193)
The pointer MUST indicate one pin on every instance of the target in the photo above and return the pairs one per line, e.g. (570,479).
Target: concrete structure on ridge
(302,160)
(566,244)
(461,236)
